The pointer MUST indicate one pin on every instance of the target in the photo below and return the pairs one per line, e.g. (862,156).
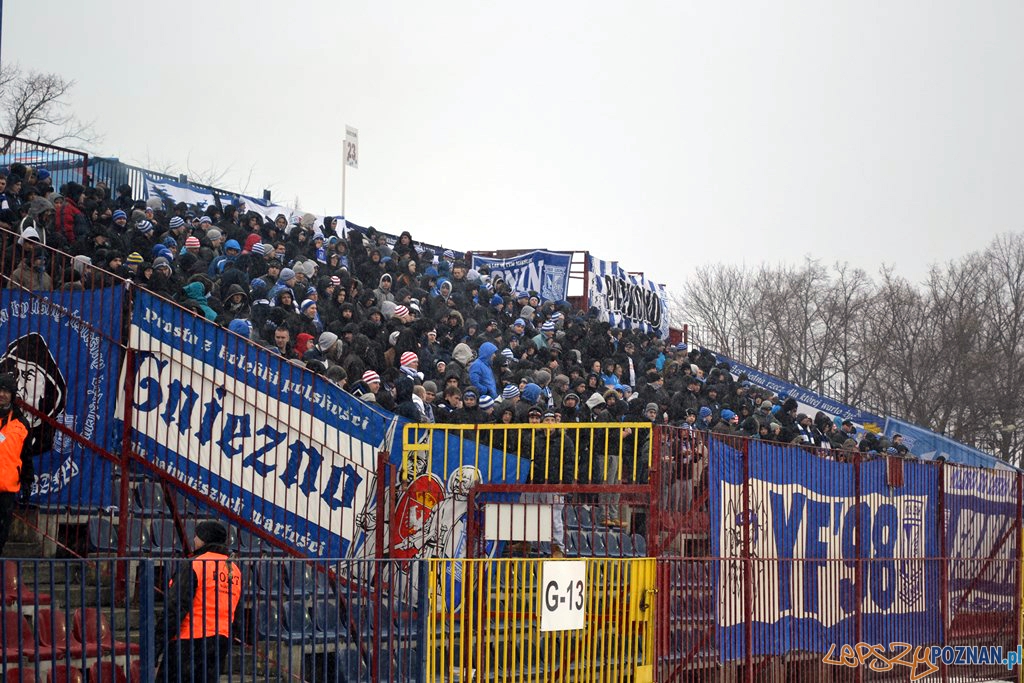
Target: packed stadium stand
(606,435)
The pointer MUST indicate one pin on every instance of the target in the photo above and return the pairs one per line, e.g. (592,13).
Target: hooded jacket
(405,406)
(461,358)
(480,373)
(196,294)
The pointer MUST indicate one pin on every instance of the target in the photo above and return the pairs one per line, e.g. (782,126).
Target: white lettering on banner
(254,368)
(563,596)
(51,483)
(791,521)
(281,454)
(524,278)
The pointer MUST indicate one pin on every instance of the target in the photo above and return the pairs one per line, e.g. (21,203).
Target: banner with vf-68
(812,579)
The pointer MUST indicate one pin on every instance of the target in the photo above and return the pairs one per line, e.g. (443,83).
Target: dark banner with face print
(64,349)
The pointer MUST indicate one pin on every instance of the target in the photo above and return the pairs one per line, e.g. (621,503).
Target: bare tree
(1001,356)
(849,299)
(35,105)
(713,299)
(211,176)
(947,354)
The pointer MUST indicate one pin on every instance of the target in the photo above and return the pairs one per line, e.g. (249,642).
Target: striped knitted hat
(408,358)
(401,311)
(486,402)
(176,222)
(510,392)
(370,376)
(192,242)
(134,257)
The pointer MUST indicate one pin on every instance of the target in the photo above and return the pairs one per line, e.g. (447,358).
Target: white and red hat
(408,358)
(370,376)
(401,311)
(192,242)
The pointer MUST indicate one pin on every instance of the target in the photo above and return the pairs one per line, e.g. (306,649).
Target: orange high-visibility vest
(12,437)
(216,598)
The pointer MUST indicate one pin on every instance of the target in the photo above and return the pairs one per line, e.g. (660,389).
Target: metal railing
(114,173)
(585,620)
(281,620)
(64,165)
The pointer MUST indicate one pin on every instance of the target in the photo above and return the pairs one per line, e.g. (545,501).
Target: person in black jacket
(195,632)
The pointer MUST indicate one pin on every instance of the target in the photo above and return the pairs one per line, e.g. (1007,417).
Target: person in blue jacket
(480,373)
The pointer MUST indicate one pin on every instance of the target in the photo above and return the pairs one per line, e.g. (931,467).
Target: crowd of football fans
(414,329)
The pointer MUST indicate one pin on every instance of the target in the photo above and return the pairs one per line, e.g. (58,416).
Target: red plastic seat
(92,629)
(15,675)
(106,672)
(52,625)
(135,669)
(66,674)
(13,591)
(19,640)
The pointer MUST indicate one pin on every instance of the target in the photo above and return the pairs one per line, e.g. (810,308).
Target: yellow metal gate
(520,620)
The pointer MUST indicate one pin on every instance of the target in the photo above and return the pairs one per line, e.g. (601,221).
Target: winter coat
(480,373)
(195,294)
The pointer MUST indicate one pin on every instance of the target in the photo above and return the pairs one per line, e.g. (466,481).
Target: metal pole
(858,581)
(944,561)
(748,574)
(147,620)
(344,167)
(1019,555)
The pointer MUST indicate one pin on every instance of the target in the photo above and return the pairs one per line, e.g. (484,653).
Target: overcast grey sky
(651,133)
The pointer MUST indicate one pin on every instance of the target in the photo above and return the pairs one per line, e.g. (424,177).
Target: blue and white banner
(928,445)
(391,240)
(544,272)
(981,539)
(804,508)
(627,301)
(268,210)
(220,415)
(64,349)
(809,401)
(174,192)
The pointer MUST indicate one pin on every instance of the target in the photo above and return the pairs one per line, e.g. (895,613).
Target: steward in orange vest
(14,474)
(201,602)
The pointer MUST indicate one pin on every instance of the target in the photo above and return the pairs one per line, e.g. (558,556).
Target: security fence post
(123,576)
(858,580)
(423,616)
(748,573)
(940,522)
(657,500)
(147,619)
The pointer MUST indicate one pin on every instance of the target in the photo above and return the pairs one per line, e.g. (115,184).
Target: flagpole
(344,165)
